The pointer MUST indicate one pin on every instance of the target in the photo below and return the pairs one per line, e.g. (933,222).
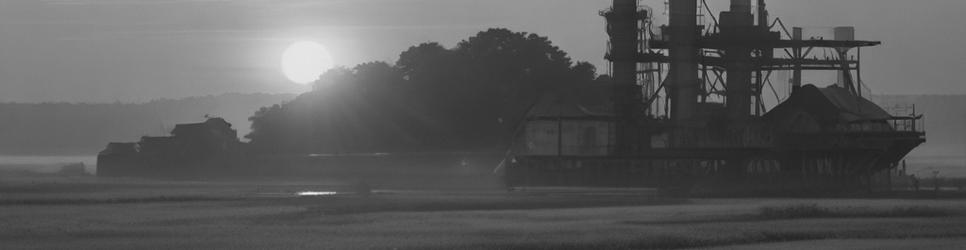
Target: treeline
(466,98)
(84,129)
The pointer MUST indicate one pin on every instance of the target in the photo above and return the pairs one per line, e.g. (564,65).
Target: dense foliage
(465,98)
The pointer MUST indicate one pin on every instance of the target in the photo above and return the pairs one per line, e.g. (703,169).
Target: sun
(303,62)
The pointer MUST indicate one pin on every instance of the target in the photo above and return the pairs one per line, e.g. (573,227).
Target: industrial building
(688,110)
(193,149)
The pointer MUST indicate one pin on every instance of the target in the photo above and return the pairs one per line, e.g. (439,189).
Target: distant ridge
(84,129)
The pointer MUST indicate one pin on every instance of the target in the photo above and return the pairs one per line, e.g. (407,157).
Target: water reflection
(316,193)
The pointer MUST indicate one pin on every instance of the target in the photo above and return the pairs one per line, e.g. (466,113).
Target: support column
(797,72)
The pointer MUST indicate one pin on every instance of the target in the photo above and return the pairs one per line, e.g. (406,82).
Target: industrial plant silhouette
(681,109)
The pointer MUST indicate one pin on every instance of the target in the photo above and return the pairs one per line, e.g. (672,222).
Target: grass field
(48,212)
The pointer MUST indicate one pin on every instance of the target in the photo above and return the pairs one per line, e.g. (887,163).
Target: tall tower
(682,31)
(738,28)
(623,27)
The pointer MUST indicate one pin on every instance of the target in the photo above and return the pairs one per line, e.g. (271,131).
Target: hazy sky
(130,50)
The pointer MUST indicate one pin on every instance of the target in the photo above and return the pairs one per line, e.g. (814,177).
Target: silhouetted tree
(466,98)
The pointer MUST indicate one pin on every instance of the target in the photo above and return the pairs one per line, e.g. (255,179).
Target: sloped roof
(854,108)
(578,103)
(831,104)
(548,107)
(199,128)
(119,148)
(155,143)
(156,139)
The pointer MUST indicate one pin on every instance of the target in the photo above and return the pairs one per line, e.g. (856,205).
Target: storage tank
(843,33)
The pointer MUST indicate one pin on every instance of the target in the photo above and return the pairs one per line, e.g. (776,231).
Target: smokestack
(623,26)
(625,5)
(762,14)
(738,26)
(683,30)
(741,6)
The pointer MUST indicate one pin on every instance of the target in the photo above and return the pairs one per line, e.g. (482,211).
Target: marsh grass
(352,206)
(133,214)
(302,223)
(671,241)
(158,199)
(805,211)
